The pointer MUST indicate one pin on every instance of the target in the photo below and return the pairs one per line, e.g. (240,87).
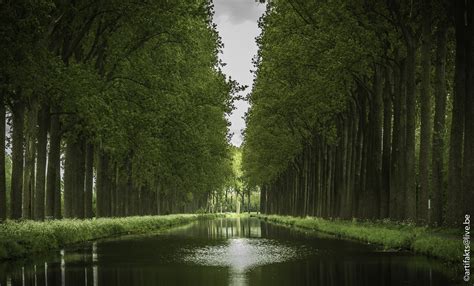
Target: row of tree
(114,108)
(364,109)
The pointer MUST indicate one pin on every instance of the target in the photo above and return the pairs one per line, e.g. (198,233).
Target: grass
(24,238)
(390,235)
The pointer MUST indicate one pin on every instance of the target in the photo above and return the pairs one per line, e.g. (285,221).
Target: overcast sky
(237,25)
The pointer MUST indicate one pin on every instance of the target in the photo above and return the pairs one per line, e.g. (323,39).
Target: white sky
(237,25)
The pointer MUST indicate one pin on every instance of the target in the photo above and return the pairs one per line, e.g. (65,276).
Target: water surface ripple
(228,251)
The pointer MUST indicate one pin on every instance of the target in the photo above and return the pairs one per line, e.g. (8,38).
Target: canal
(227,251)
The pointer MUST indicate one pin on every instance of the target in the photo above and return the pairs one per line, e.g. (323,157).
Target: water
(229,251)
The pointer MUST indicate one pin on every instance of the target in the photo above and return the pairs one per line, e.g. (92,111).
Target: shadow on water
(230,251)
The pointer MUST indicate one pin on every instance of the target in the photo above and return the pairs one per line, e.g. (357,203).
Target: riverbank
(24,238)
(438,243)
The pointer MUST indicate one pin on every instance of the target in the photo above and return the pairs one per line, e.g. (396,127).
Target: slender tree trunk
(99,186)
(53,178)
(74,170)
(43,122)
(439,128)
(30,159)
(410,172)
(402,185)
(397,137)
(454,213)
(18,113)
(89,177)
(69,170)
(79,178)
(112,189)
(352,198)
(158,197)
(248,202)
(102,186)
(387,141)
(362,209)
(426,124)
(3,187)
(376,145)
(359,156)
(352,166)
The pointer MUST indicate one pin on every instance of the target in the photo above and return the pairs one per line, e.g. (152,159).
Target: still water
(230,251)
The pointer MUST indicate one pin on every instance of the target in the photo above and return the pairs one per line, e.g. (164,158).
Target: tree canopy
(343,121)
(131,93)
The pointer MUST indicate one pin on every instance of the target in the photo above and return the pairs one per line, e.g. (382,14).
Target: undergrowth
(22,238)
(390,235)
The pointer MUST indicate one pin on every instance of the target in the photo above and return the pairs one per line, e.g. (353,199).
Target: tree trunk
(89,177)
(237,204)
(454,213)
(376,145)
(396,143)
(387,141)
(69,169)
(3,187)
(53,178)
(112,189)
(437,182)
(426,125)
(397,185)
(103,185)
(410,171)
(248,202)
(18,112)
(74,178)
(30,158)
(43,122)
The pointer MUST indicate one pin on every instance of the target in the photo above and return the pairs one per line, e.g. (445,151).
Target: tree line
(364,109)
(111,108)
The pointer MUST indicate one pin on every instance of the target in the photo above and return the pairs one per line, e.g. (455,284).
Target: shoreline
(20,239)
(390,235)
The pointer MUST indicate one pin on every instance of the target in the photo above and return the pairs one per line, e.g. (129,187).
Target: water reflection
(241,255)
(225,252)
(222,228)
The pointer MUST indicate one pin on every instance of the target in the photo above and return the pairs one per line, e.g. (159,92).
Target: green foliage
(390,235)
(20,239)
(308,56)
(139,80)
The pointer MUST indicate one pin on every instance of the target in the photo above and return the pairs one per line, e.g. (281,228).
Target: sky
(237,26)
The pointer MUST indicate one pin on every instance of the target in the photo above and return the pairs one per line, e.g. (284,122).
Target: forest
(364,109)
(111,108)
(121,124)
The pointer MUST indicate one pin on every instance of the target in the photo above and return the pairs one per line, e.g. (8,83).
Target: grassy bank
(21,239)
(391,235)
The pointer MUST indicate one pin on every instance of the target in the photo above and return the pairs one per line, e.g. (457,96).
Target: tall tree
(3,187)
(30,159)
(454,213)
(437,183)
(53,183)
(18,112)
(42,141)
(426,121)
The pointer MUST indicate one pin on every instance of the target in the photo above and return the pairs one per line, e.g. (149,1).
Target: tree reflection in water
(229,251)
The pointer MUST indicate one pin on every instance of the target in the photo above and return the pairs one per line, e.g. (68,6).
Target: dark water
(226,252)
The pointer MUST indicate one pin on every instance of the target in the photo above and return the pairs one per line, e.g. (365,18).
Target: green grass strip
(438,243)
(24,238)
